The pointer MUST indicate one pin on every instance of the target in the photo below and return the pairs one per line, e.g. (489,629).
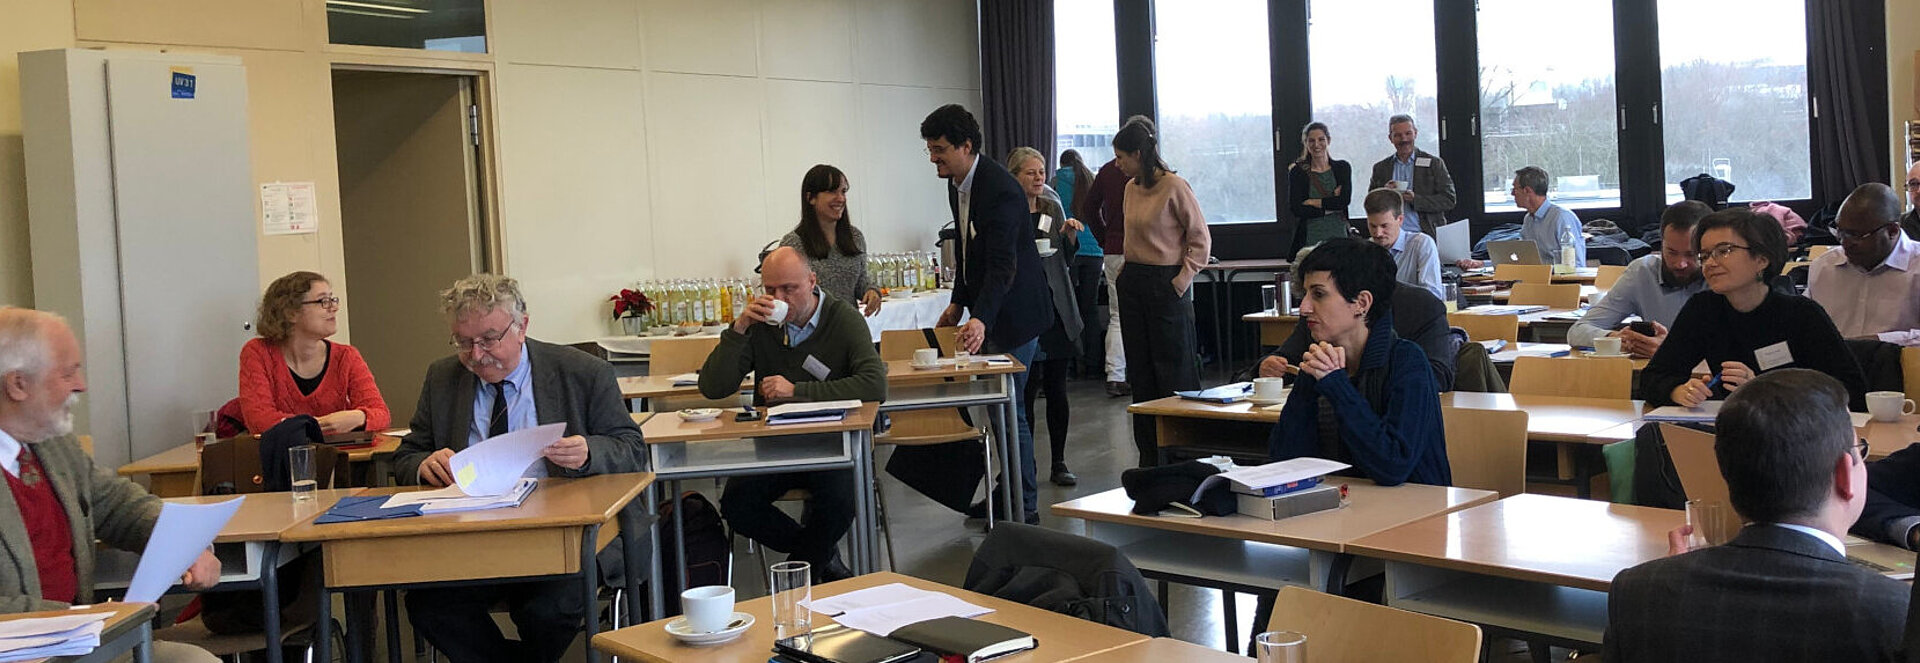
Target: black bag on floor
(708,549)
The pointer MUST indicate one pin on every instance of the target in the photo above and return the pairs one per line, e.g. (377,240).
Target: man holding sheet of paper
(497,382)
(811,347)
(57,502)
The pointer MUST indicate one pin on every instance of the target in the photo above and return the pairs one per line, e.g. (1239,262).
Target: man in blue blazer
(999,281)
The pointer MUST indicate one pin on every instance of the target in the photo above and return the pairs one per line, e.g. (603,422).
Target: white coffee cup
(1395,185)
(707,608)
(779,313)
(1268,389)
(1043,245)
(925,356)
(1606,345)
(1888,405)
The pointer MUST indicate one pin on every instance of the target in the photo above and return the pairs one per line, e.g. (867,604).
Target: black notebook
(834,643)
(971,639)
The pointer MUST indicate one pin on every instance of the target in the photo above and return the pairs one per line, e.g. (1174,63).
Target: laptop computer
(1514,252)
(1455,241)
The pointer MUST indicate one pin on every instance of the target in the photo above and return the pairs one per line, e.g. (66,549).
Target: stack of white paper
(1253,480)
(686,379)
(452,498)
(809,413)
(40,637)
(884,609)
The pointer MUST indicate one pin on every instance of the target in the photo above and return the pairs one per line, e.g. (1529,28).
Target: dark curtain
(1016,77)
(1847,70)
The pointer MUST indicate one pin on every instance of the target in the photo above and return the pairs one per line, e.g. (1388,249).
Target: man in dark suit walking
(999,282)
(500,381)
(1420,177)
(1781,590)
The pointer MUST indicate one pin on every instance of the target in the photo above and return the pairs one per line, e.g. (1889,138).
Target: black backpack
(708,549)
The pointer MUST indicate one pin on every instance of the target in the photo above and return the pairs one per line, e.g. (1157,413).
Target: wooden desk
(1062,638)
(171,473)
(1168,650)
(647,388)
(1884,438)
(1531,564)
(1588,293)
(1579,275)
(978,384)
(130,629)
(1275,328)
(557,531)
(1187,428)
(1554,418)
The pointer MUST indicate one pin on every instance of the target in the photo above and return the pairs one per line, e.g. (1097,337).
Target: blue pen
(1715,382)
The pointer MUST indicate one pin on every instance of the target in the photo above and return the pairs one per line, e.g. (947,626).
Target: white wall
(667,138)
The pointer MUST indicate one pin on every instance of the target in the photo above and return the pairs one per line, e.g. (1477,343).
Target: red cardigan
(268,394)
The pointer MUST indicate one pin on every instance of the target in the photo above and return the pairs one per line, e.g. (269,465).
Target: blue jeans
(1029,482)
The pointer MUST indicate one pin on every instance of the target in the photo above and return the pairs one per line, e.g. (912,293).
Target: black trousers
(748,505)
(1087,275)
(1156,330)
(456,620)
(1052,372)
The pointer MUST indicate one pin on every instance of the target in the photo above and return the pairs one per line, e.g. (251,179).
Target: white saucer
(1596,354)
(1263,402)
(1049,253)
(678,629)
(699,414)
(925,367)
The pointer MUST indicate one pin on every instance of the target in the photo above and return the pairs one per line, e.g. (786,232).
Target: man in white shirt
(1871,287)
(1416,258)
(1654,287)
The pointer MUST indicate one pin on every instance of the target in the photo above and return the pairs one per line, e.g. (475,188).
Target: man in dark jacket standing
(999,281)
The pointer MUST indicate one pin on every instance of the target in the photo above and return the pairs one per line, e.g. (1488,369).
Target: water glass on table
(1711,521)
(1280,647)
(300,470)
(790,585)
(200,423)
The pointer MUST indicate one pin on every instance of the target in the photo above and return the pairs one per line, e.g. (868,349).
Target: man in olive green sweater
(818,350)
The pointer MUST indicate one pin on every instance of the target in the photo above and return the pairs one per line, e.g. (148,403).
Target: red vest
(48,529)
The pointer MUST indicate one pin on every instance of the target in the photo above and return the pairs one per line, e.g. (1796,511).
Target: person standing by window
(1319,188)
(1073,180)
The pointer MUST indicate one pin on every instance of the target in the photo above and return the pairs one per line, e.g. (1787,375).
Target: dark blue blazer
(1388,410)
(999,278)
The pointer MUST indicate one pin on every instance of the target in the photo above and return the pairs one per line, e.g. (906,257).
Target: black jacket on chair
(1068,574)
(999,280)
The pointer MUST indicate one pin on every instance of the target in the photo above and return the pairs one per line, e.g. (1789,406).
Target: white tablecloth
(920,311)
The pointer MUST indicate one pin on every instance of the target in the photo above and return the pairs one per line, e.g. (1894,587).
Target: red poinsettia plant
(630,303)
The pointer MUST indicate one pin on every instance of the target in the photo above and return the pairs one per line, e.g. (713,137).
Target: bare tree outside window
(1211,68)
(1734,98)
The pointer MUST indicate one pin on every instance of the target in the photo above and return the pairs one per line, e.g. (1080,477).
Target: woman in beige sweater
(1167,243)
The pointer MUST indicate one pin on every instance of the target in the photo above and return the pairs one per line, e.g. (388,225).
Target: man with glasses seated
(1911,222)
(1871,287)
(499,381)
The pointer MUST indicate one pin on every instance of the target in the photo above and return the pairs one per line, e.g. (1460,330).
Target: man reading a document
(816,349)
(57,502)
(500,381)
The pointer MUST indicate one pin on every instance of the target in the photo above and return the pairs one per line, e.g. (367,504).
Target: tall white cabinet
(140,207)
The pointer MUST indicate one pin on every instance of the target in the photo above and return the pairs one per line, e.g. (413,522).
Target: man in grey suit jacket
(502,381)
(53,484)
(1423,179)
(1782,590)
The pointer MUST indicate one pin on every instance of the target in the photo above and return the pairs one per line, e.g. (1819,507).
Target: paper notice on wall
(289,208)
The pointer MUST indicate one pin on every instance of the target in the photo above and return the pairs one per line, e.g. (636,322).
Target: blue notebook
(366,507)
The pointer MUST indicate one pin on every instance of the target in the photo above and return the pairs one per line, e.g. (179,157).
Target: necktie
(497,419)
(29,471)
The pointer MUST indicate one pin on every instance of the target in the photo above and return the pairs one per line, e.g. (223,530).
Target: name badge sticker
(1773,356)
(815,368)
(1423,162)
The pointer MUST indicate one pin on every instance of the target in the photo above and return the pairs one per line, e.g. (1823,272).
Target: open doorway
(411,215)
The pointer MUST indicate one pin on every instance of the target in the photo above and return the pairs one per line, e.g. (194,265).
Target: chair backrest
(1910,371)
(1487,327)
(1579,377)
(673,356)
(1065,573)
(897,344)
(1693,460)
(1526,273)
(1565,296)
(232,466)
(909,425)
(1342,629)
(1815,251)
(1487,449)
(1607,275)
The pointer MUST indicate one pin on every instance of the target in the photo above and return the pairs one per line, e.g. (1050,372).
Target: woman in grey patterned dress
(836,249)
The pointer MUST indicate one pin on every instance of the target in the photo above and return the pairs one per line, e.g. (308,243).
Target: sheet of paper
(20,628)
(182,533)
(496,463)
(820,406)
(685,379)
(887,594)
(1272,474)
(881,620)
(423,496)
(85,634)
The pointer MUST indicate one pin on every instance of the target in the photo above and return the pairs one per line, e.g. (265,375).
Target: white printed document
(1261,477)
(883,609)
(495,464)
(41,637)
(182,533)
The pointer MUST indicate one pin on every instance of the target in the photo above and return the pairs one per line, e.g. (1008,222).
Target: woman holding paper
(292,368)
(1365,396)
(1060,343)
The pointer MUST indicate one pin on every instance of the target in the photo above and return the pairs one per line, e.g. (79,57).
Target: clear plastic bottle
(726,301)
(1568,237)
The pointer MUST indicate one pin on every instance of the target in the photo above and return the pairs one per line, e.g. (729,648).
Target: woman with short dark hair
(1365,396)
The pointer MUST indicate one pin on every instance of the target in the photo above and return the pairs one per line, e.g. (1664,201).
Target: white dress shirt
(9,453)
(1817,533)
(1883,302)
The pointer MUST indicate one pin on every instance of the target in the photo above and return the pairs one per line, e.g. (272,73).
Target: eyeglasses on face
(1854,236)
(1718,252)
(329,301)
(486,341)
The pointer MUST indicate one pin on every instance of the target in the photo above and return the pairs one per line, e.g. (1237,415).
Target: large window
(1355,90)
(1547,100)
(1214,92)
(1086,89)
(1734,98)
(434,25)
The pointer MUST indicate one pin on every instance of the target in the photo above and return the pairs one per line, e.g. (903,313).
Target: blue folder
(368,507)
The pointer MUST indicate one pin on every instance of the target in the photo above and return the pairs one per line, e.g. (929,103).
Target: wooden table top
(1062,638)
(1554,418)
(1256,263)
(671,428)
(556,503)
(902,369)
(1579,275)
(1263,317)
(263,516)
(1537,538)
(186,458)
(1370,509)
(1884,438)
(125,615)
(1167,650)
(660,386)
(1175,406)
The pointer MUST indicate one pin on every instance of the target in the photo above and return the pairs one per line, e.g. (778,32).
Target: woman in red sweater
(293,369)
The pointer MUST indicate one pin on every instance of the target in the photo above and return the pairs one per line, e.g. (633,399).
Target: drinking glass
(200,426)
(791,587)
(1450,294)
(1710,523)
(1268,298)
(1280,647)
(300,469)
